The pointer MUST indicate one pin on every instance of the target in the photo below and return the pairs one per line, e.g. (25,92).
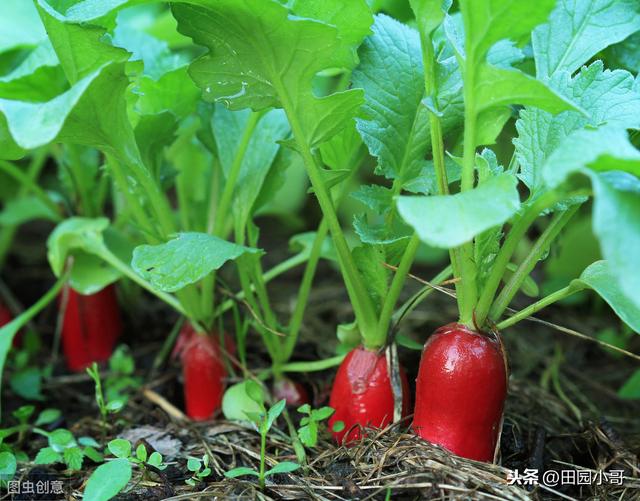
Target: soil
(562,412)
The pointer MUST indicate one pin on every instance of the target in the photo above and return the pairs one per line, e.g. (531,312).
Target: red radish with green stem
(91,326)
(309,131)
(462,379)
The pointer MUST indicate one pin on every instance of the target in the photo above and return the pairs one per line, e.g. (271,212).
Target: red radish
(292,392)
(5,315)
(362,394)
(90,328)
(203,370)
(460,392)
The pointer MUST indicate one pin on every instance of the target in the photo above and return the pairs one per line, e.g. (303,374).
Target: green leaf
(193,464)
(578,29)
(241,36)
(602,149)
(236,403)
(155,460)
(488,21)
(184,260)
(89,441)
(498,87)
(37,78)
(19,25)
(322,413)
(429,13)
(391,73)
(451,220)
(260,153)
(308,434)
(108,480)
(23,413)
(23,209)
(75,233)
(283,467)
(607,96)
(27,383)
(304,409)
(141,452)
(116,405)
(73,457)
(352,19)
(630,389)
(370,260)
(241,471)
(48,416)
(274,412)
(599,276)
(615,222)
(61,439)
(120,448)
(338,426)
(81,49)
(93,454)
(396,127)
(8,466)
(47,455)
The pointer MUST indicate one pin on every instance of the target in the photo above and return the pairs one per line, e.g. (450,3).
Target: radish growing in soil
(462,379)
(203,370)
(372,291)
(91,326)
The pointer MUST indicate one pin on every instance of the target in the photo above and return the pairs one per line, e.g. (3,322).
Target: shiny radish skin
(460,392)
(203,371)
(91,326)
(292,392)
(362,395)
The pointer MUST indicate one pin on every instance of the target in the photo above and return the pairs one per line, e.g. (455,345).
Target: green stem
(360,300)
(314,257)
(33,172)
(305,289)
(437,147)
(224,207)
(269,275)
(538,250)
(542,303)
(394,292)
(133,202)
(315,366)
(263,454)
(518,230)
(26,180)
(467,288)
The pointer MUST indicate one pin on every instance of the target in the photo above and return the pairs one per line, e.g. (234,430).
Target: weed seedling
(263,421)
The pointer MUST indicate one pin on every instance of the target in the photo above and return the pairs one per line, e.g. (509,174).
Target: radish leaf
(578,29)
(450,220)
(599,276)
(184,260)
